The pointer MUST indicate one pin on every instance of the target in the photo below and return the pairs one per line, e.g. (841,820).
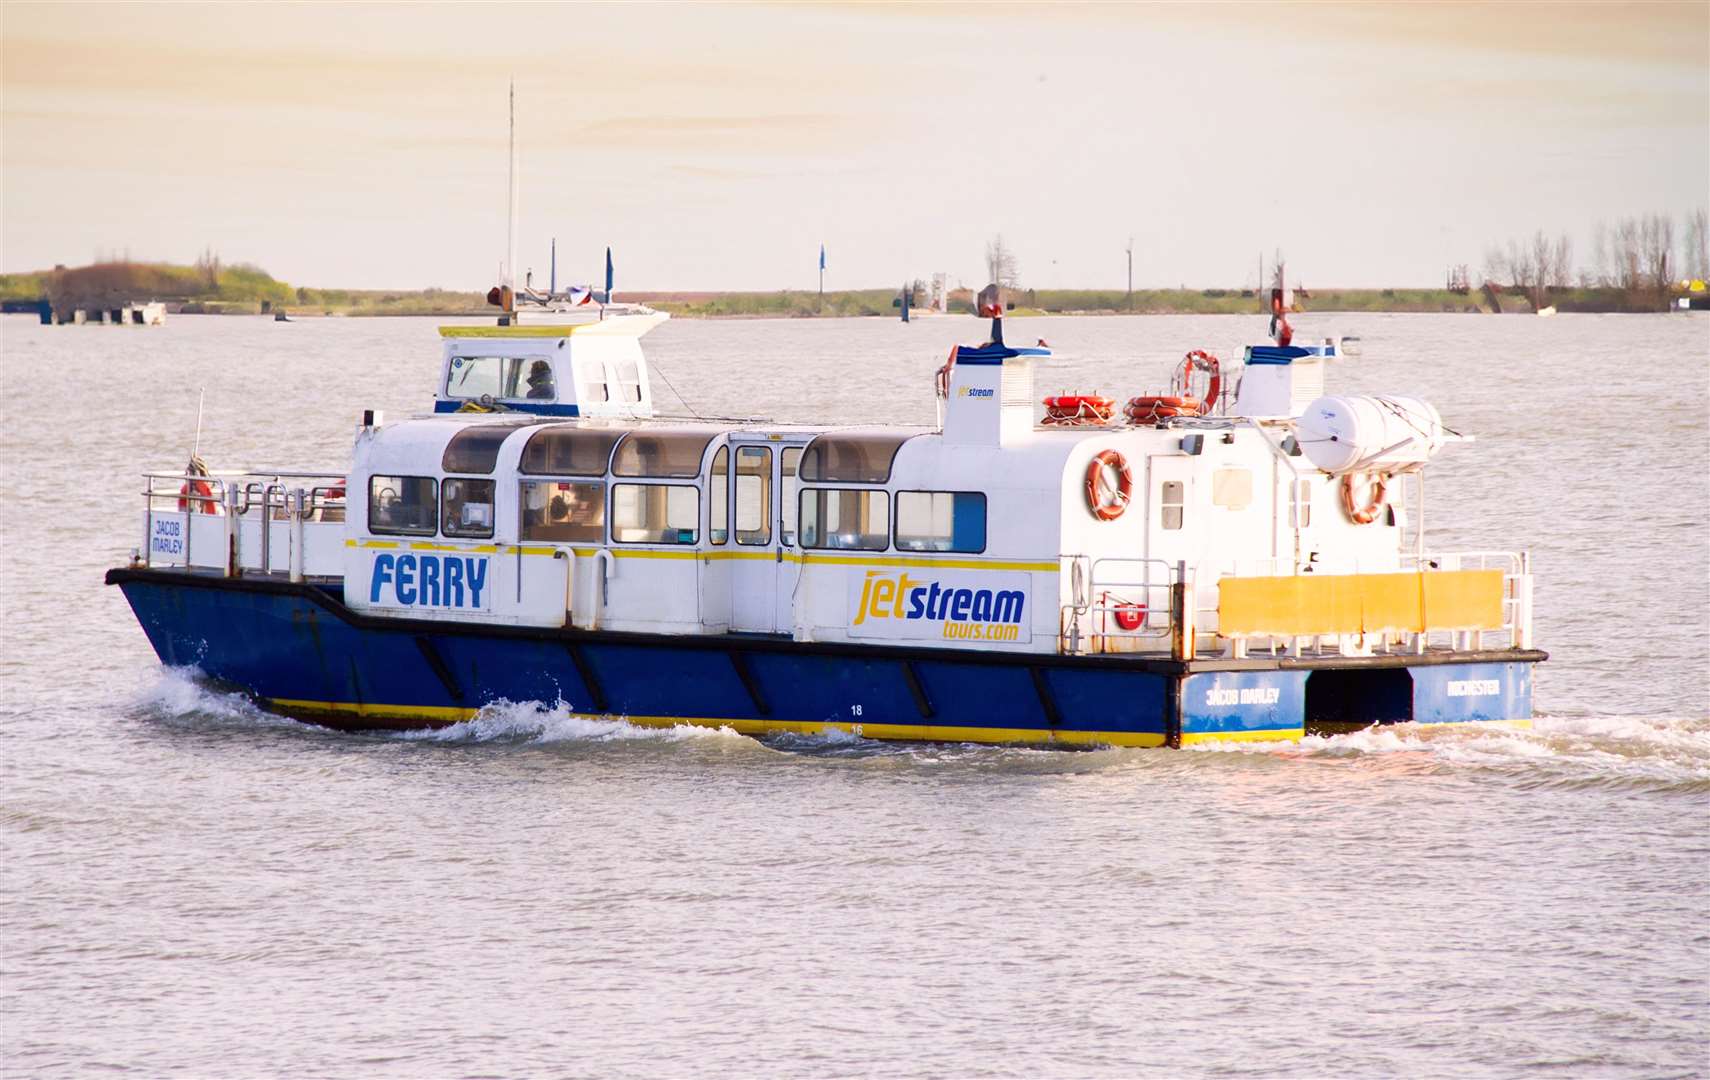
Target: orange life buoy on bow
(1365,515)
(203,504)
(1109,484)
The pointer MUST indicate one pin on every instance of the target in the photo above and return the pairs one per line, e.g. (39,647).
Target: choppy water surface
(193,887)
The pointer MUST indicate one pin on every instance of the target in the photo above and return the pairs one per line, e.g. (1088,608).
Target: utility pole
(1130,250)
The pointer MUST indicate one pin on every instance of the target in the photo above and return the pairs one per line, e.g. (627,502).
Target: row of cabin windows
(856,519)
(505,378)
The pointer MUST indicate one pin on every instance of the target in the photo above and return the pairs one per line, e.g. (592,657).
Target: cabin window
(845,519)
(499,378)
(568,450)
(563,511)
(675,454)
(787,462)
(1300,507)
(1232,489)
(718,494)
(753,495)
(941,521)
(852,457)
(629,381)
(655,514)
(1170,504)
(403,505)
(475,449)
(468,508)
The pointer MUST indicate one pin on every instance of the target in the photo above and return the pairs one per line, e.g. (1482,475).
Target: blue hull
(298,650)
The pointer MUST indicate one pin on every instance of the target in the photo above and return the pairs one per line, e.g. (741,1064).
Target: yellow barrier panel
(1309,604)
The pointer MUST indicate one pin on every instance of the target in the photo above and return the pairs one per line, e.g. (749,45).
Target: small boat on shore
(1240,558)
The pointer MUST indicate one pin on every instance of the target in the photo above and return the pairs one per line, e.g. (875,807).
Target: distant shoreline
(213,289)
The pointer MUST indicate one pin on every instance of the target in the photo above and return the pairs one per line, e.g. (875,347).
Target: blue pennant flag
(822,256)
(608,272)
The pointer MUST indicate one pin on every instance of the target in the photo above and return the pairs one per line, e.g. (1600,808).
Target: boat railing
(1117,605)
(288,522)
(1123,605)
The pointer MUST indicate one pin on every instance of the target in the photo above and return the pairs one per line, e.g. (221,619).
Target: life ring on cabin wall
(1108,498)
(1365,515)
(203,504)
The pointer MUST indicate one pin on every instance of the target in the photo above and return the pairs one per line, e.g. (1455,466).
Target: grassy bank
(211,288)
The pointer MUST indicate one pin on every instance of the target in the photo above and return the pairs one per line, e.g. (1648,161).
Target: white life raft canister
(1369,433)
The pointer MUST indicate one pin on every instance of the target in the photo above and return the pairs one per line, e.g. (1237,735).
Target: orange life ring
(1070,410)
(1201,360)
(1154,407)
(1365,515)
(204,504)
(1098,487)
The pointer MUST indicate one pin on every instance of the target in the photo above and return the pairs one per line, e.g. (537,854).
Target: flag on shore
(822,258)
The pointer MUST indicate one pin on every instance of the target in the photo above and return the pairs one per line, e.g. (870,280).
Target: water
(194,888)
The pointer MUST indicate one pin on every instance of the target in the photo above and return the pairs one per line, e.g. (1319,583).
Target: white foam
(180,693)
(540,722)
(1667,750)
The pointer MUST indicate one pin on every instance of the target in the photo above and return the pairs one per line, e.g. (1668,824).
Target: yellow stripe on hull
(442,715)
(445,715)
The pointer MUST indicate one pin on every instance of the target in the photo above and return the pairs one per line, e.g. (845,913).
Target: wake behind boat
(1241,558)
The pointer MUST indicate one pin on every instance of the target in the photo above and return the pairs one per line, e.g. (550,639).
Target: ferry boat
(1243,558)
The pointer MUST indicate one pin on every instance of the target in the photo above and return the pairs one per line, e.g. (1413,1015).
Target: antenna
(196,446)
(511,208)
(552,285)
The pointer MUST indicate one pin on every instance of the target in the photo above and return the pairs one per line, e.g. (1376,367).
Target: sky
(717,147)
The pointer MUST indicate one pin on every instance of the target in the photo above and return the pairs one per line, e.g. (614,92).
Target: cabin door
(1172,518)
(756,550)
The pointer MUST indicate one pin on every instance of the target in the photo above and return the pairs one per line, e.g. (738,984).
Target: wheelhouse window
(845,519)
(941,521)
(1232,489)
(568,450)
(563,511)
(852,457)
(1170,504)
(718,497)
(629,381)
(475,449)
(655,514)
(593,376)
(753,495)
(788,462)
(403,505)
(499,378)
(673,454)
(468,508)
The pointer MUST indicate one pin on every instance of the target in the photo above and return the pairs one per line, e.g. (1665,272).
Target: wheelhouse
(593,369)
